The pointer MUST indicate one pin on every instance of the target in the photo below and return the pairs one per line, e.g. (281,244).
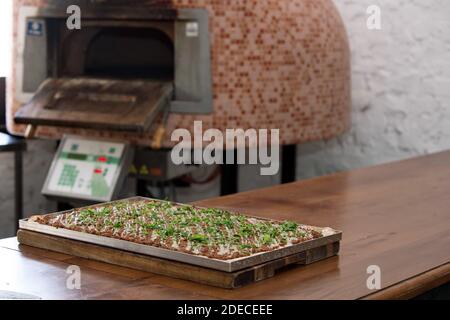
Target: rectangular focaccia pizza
(212,233)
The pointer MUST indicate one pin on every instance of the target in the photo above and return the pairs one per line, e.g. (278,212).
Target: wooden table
(396,216)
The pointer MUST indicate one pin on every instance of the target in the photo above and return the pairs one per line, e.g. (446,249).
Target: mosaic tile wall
(281,64)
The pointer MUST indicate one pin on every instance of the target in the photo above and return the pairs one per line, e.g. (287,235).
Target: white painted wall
(401,87)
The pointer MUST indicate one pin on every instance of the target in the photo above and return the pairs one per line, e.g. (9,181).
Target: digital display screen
(75,156)
(85,169)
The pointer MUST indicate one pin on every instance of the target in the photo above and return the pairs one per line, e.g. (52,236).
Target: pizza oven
(137,65)
(119,71)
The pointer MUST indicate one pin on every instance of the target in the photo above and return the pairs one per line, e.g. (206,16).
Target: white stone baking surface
(401,101)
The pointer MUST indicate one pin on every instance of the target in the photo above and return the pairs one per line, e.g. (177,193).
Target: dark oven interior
(143,50)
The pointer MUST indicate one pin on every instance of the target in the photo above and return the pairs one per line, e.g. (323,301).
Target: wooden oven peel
(94,103)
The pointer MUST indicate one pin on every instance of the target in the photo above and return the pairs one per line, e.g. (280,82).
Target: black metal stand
(63,206)
(289,164)
(141,188)
(18,180)
(10,143)
(229,179)
(230,172)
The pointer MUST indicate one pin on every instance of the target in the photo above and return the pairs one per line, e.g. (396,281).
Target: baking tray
(216,264)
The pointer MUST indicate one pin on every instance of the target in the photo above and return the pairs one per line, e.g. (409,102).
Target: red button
(102,159)
(98,171)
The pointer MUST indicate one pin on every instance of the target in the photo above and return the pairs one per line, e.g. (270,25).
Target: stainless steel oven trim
(193,86)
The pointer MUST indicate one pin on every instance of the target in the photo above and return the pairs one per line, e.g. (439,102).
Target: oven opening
(121,53)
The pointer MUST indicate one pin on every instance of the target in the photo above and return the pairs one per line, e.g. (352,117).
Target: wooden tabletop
(395,216)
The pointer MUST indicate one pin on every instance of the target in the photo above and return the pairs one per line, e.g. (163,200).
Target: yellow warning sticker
(133,169)
(144,170)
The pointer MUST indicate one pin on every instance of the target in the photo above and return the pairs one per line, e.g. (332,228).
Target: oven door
(126,105)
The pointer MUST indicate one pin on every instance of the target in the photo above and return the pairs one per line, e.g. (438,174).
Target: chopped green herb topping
(224,234)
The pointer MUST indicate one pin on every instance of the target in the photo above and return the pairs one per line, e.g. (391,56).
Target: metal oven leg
(230,176)
(18,177)
(289,164)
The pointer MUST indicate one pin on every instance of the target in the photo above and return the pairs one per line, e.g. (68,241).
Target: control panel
(85,169)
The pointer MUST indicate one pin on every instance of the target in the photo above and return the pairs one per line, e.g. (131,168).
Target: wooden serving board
(179,270)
